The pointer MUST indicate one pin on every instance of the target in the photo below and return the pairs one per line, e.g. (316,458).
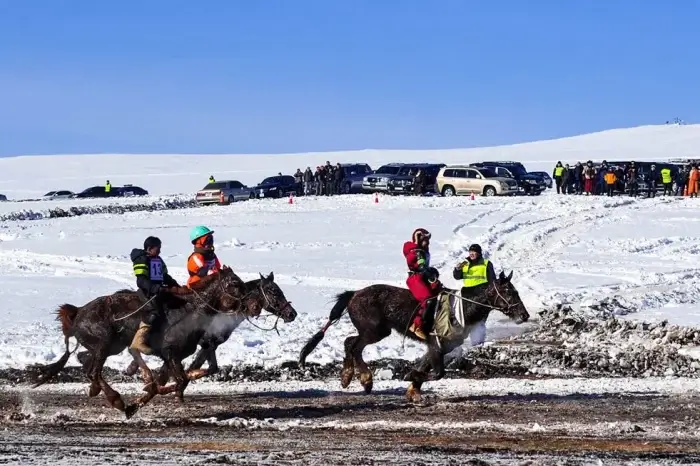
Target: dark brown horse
(106,326)
(377,309)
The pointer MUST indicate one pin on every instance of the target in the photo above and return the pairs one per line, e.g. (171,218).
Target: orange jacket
(199,266)
(610,178)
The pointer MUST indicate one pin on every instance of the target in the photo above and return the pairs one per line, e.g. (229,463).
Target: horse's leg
(132,369)
(368,337)
(178,373)
(419,375)
(194,374)
(163,375)
(348,371)
(114,398)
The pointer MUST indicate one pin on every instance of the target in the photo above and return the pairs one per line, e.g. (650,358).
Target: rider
(422,279)
(153,280)
(474,271)
(203,260)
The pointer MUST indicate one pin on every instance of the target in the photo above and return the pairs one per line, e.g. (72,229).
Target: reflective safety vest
(666,175)
(108,187)
(475,275)
(195,263)
(558,171)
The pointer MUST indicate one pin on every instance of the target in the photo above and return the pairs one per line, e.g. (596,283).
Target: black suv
(404,181)
(528,183)
(277,186)
(354,174)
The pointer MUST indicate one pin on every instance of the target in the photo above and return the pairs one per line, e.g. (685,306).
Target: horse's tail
(66,315)
(341,304)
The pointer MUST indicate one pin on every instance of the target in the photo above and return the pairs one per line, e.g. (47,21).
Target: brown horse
(377,309)
(106,326)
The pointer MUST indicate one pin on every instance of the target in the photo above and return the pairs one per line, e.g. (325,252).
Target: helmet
(151,242)
(419,235)
(476,248)
(199,231)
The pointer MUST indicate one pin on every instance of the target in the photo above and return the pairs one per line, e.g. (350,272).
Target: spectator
(682,181)
(338,177)
(652,179)
(588,178)
(610,181)
(632,180)
(666,180)
(557,174)
(308,181)
(693,178)
(578,178)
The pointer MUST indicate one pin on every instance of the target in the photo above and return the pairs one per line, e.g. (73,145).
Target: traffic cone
(376,198)
(221,197)
(291,198)
(472,197)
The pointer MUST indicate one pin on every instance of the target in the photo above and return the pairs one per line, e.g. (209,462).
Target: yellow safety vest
(558,171)
(475,275)
(666,175)
(108,187)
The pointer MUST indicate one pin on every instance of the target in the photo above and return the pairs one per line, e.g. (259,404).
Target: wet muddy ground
(337,428)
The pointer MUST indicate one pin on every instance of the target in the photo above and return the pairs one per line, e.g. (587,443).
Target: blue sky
(263,76)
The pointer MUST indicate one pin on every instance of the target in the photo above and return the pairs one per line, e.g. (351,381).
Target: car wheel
(252,195)
(489,191)
(448,191)
(231,199)
(347,188)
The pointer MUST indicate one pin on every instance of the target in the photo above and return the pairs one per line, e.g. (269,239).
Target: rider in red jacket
(422,279)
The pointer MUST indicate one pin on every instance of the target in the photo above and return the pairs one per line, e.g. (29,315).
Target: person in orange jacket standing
(693,179)
(203,260)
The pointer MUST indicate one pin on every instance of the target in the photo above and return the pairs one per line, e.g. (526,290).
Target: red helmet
(419,235)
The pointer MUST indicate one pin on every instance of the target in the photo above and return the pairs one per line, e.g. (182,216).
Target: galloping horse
(377,309)
(106,326)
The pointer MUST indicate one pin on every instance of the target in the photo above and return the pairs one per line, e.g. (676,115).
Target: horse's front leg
(419,375)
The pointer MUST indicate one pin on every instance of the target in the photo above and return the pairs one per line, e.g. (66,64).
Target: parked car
(116,191)
(404,180)
(548,181)
(378,180)
(130,190)
(277,186)
(354,174)
(528,184)
(224,193)
(3,197)
(463,180)
(58,195)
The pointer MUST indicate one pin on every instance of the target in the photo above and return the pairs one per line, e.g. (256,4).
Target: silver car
(377,181)
(58,195)
(224,193)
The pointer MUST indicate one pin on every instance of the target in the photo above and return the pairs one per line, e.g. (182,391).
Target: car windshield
(50,193)
(272,180)
(488,173)
(358,169)
(517,169)
(387,170)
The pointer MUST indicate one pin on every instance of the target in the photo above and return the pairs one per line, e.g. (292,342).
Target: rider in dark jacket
(153,280)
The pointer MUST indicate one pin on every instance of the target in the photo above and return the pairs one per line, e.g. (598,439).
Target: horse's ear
(510,275)
(261,276)
(271,277)
(501,276)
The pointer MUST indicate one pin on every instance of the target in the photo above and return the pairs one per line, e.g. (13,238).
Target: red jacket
(417,259)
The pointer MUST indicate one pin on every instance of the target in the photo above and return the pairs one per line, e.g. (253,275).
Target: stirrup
(417,331)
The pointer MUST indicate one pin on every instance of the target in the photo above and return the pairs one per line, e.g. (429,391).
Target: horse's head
(507,299)
(265,294)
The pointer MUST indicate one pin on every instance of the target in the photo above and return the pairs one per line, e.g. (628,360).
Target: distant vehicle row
(98,192)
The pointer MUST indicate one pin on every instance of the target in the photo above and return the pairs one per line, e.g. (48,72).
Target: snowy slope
(562,249)
(24,177)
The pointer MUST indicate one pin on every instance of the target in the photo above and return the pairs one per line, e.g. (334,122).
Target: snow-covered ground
(562,249)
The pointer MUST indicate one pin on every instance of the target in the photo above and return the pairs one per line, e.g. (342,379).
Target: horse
(377,309)
(96,327)
(219,331)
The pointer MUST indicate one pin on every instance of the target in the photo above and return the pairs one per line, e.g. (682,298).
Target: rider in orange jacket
(422,279)
(203,260)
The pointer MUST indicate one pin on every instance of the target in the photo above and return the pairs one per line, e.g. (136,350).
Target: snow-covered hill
(22,177)
(633,255)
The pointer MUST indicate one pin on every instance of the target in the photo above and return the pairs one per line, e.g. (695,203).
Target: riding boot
(417,325)
(139,343)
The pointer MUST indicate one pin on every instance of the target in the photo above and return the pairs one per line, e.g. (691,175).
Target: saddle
(449,317)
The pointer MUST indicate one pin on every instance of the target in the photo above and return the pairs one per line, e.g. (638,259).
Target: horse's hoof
(131,410)
(412,394)
(366,381)
(346,378)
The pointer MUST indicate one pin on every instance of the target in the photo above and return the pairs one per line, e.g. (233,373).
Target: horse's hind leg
(348,371)
(114,398)
(367,338)
(419,375)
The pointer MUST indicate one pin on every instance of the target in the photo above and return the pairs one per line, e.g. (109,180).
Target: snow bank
(132,205)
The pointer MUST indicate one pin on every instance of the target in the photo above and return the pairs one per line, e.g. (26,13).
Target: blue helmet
(199,231)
